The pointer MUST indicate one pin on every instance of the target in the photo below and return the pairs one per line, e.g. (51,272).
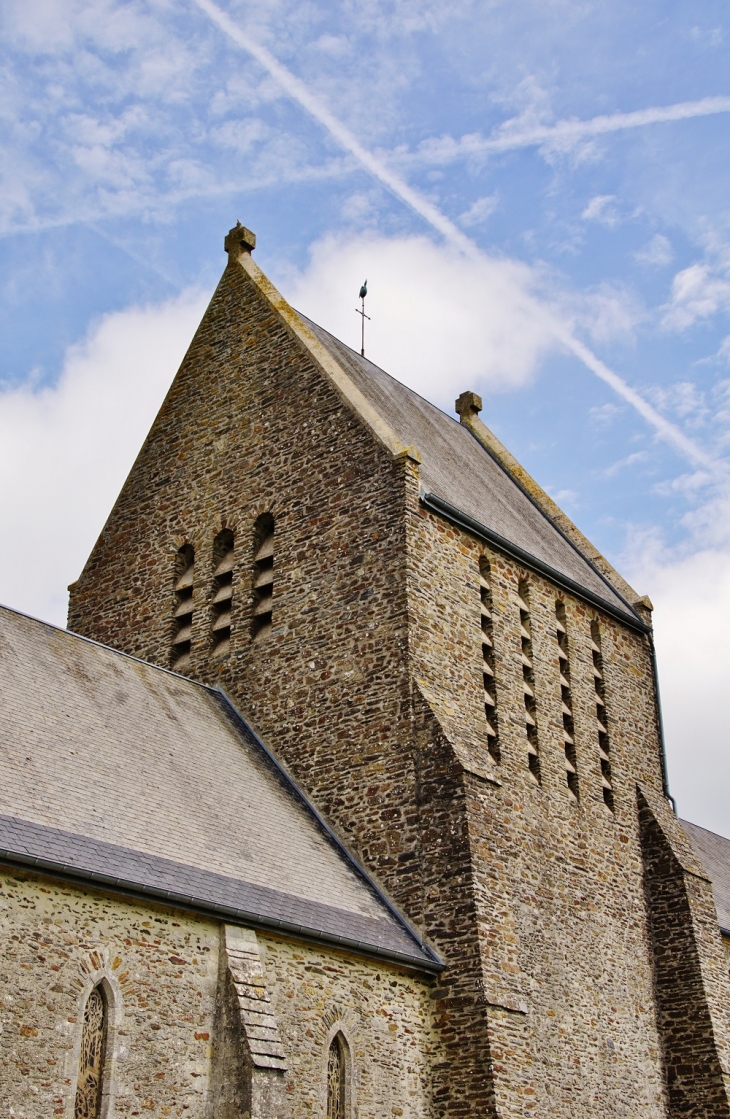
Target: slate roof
(119,772)
(459,470)
(713,852)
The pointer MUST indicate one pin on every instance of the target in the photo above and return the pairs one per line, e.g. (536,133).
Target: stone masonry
(369,687)
(168,1053)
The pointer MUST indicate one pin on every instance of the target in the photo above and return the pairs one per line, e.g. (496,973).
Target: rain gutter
(463,520)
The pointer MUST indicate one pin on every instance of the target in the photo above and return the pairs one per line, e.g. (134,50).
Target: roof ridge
(469,405)
(361,357)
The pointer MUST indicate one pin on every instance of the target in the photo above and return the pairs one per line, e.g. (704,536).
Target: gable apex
(332,370)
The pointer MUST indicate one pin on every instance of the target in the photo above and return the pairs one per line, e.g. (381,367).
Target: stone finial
(239,240)
(467,406)
(645,608)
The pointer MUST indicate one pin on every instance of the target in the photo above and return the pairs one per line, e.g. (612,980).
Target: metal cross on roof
(361,312)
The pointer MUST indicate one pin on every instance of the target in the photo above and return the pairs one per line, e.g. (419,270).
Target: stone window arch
(338,1078)
(92,1057)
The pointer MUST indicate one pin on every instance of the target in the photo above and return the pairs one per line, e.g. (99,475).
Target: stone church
(344,794)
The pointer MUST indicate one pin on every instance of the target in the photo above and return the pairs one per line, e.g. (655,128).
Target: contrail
(299,92)
(443,225)
(510,136)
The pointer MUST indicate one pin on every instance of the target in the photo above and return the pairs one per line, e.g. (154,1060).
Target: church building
(344,796)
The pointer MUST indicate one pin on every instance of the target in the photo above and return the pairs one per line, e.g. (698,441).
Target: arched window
(263,576)
(336,1078)
(91,1060)
(183,617)
(222,592)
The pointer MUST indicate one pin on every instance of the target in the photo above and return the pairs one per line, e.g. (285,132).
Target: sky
(537,193)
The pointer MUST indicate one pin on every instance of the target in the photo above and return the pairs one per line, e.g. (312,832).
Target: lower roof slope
(459,470)
(714,853)
(123,773)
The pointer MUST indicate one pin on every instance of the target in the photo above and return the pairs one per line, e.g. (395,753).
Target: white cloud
(601,209)
(565,498)
(691,597)
(480,210)
(684,399)
(440,322)
(531,129)
(603,415)
(698,292)
(608,313)
(65,450)
(336,45)
(657,252)
(477,317)
(629,460)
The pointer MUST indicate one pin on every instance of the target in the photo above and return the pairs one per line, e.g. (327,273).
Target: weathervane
(363,293)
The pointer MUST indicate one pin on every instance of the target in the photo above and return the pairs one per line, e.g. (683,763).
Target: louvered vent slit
(490,694)
(222,593)
(263,579)
(528,680)
(571,764)
(183,612)
(604,746)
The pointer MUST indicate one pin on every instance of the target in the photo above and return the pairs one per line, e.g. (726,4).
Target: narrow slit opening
(604,744)
(488,673)
(182,616)
(528,681)
(263,578)
(566,703)
(222,593)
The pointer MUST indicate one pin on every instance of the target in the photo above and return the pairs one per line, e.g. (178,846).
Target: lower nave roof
(126,775)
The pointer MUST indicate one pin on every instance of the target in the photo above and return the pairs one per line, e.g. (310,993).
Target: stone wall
(690,980)
(557,885)
(161,969)
(383,1013)
(56,943)
(251,426)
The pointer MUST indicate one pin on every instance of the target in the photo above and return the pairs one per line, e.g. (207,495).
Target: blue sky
(534,191)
